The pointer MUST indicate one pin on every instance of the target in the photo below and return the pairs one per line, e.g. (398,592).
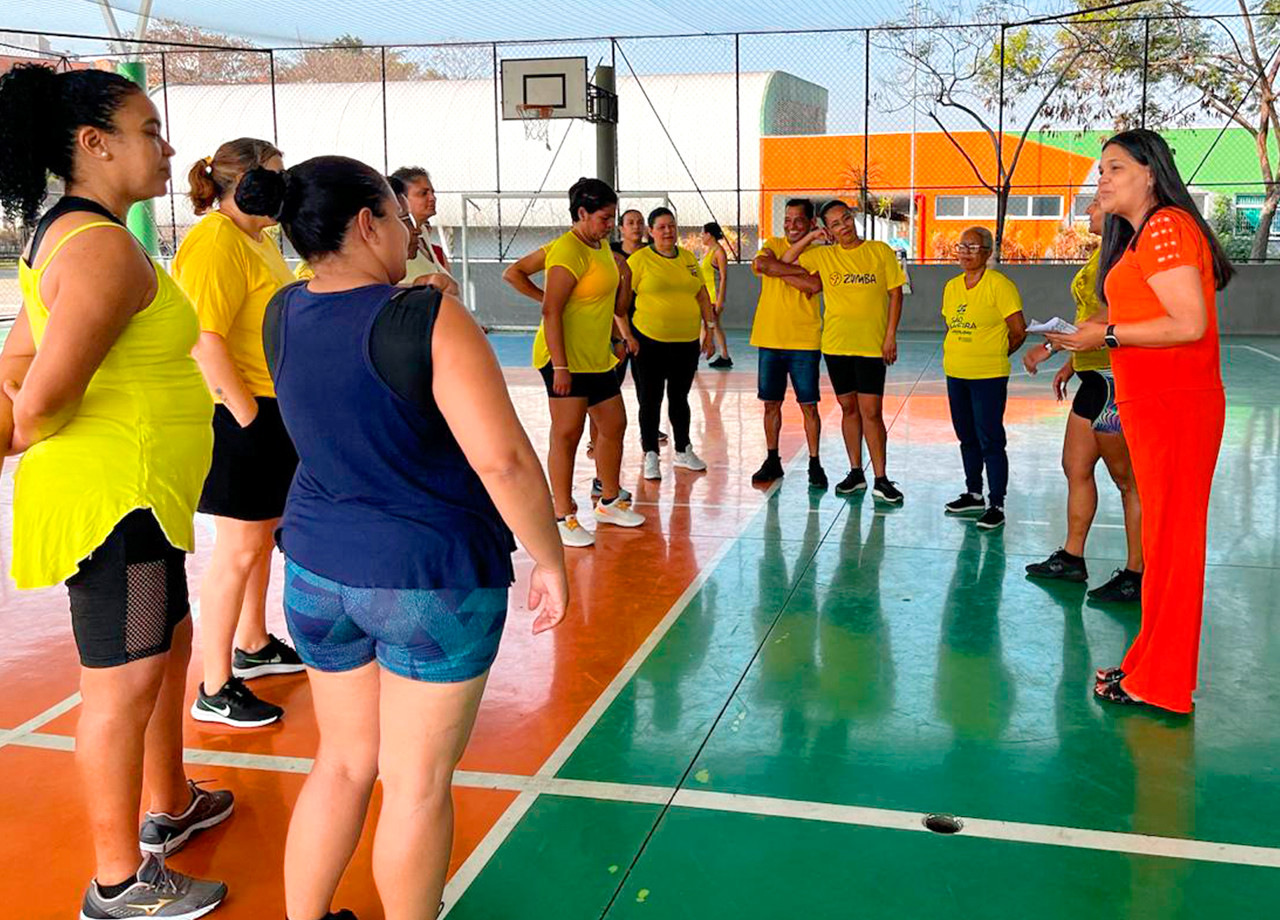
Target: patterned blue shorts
(441,636)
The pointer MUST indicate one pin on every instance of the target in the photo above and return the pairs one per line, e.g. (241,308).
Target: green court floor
(838,671)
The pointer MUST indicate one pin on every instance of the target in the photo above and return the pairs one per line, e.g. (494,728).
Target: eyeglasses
(970,248)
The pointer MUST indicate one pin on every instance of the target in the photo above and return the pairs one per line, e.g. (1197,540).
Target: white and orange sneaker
(574,534)
(619,513)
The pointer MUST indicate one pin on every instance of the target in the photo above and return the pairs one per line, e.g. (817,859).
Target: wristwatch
(1110,337)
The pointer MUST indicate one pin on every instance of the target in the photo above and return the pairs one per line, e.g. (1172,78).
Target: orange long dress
(1173,409)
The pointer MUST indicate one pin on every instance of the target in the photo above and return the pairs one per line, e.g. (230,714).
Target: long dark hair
(590,195)
(1150,149)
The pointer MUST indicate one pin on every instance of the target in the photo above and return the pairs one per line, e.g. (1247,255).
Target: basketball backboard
(556,86)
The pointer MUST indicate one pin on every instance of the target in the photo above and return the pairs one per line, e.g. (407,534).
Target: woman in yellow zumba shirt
(983,313)
(230,268)
(1093,433)
(572,352)
(102,398)
(672,310)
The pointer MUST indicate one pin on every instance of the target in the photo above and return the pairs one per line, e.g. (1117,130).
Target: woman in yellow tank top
(104,401)
(1093,433)
(231,267)
(715,275)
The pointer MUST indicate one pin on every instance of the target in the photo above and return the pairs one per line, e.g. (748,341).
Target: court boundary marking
(1134,844)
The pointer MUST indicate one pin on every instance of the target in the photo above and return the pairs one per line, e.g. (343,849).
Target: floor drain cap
(943,824)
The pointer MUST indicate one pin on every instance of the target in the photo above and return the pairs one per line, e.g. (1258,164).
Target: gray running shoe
(165,834)
(158,892)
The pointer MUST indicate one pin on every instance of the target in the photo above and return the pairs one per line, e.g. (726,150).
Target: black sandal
(1109,675)
(1114,693)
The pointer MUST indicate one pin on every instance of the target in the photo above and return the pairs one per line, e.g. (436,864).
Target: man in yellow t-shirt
(861,284)
(787,334)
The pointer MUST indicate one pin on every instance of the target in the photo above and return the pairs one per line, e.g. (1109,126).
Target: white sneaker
(619,513)
(652,467)
(574,534)
(688,460)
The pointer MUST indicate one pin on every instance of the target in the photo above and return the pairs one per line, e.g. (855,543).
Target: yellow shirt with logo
(855,295)
(1084,291)
(666,290)
(231,277)
(786,318)
(588,314)
(977,343)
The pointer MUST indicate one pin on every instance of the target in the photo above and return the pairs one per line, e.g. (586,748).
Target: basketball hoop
(537,122)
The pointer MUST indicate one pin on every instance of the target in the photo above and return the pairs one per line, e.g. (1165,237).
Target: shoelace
(164,879)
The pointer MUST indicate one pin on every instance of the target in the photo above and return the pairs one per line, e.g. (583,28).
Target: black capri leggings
(662,366)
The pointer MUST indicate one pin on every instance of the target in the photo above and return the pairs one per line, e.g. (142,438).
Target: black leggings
(659,366)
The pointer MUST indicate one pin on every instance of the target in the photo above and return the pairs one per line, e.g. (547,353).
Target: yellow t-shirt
(666,294)
(855,295)
(231,277)
(977,343)
(1084,291)
(588,315)
(786,318)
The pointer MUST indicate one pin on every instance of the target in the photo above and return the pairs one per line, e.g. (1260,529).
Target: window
(1017,206)
(1046,206)
(984,206)
(949,206)
(1080,206)
(980,206)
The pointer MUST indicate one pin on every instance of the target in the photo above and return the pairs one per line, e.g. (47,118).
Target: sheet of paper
(1056,325)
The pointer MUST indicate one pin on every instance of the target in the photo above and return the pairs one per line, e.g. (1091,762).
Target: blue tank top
(383,496)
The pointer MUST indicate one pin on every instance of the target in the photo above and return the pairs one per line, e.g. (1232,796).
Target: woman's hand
(1065,373)
(1089,336)
(549,590)
(890,350)
(818,235)
(708,342)
(19,442)
(561,382)
(1033,358)
(633,344)
(247,415)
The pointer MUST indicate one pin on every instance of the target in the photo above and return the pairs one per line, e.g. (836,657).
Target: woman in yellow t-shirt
(104,402)
(985,325)
(572,351)
(231,268)
(672,310)
(1093,433)
(715,275)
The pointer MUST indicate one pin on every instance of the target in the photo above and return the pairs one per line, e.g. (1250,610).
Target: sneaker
(597,489)
(1062,566)
(967,503)
(164,833)
(234,705)
(769,471)
(662,437)
(686,460)
(887,491)
(856,481)
(275,657)
(817,475)
(574,534)
(652,467)
(992,518)
(1125,587)
(619,513)
(722,364)
(158,892)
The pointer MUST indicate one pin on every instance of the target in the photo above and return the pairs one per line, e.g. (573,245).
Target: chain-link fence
(924,129)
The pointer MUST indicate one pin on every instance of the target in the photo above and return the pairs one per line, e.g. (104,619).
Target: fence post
(737,134)
(497,152)
(386,152)
(866,129)
(1146,56)
(164,90)
(1002,197)
(271,67)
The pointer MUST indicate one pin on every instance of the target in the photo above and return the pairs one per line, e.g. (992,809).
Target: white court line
(530,787)
(1256,351)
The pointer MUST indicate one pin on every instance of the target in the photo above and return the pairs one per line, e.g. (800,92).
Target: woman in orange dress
(1159,270)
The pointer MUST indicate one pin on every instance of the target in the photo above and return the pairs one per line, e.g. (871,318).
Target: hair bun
(263,192)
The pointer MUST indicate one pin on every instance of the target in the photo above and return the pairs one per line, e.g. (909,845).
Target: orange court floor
(758,696)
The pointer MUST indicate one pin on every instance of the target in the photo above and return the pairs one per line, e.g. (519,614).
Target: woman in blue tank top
(413,472)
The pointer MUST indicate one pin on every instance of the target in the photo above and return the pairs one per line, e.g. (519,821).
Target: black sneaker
(275,657)
(164,834)
(1125,587)
(721,364)
(770,470)
(234,705)
(856,481)
(662,437)
(597,490)
(887,491)
(817,475)
(967,503)
(991,519)
(1061,565)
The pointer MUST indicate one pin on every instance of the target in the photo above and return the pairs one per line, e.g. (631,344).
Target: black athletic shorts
(595,388)
(1095,401)
(129,595)
(252,467)
(856,374)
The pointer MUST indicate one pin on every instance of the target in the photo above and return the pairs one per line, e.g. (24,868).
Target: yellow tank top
(141,437)
(708,267)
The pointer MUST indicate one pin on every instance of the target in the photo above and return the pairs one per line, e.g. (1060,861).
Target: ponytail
(210,179)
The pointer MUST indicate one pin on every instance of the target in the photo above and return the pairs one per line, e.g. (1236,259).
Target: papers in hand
(1056,325)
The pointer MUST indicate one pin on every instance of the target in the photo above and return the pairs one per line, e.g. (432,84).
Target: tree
(236,61)
(349,60)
